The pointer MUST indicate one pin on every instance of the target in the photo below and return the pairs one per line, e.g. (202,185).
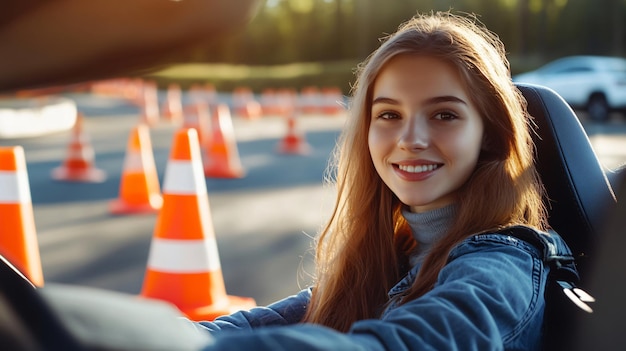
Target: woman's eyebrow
(430,101)
(384,100)
(445,98)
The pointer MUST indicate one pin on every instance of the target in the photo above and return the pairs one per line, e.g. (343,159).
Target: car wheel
(598,108)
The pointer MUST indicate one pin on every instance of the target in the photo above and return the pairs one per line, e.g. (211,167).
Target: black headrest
(575,181)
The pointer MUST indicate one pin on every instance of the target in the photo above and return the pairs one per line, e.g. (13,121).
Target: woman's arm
(490,296)
(287,311)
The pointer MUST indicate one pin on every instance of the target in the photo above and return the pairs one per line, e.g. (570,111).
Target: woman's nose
(414,136)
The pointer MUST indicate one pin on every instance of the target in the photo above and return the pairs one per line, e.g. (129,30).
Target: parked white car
(596,84)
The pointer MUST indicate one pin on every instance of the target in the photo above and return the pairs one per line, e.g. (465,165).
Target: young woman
(436,162)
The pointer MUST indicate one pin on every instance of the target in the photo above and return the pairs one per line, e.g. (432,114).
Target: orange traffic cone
(294,141)
(197,116)
(149,103)
(79,164)
(210,92)
(183,265)
(245,104)
(269,102)
(332,101)
(173,107)
(310,100)
(139,187)
(18,238)
(221,156)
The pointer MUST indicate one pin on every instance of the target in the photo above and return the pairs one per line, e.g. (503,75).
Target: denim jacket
(489,296)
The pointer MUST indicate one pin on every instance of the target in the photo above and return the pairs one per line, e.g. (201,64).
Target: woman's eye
(446,116)
(388,115)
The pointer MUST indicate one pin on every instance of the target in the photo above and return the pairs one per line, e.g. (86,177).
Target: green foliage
(328,30)
(288,31)
(227,77)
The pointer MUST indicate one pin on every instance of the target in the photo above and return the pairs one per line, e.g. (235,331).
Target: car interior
(580,192)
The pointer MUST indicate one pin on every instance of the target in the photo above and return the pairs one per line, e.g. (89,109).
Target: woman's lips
(416,172)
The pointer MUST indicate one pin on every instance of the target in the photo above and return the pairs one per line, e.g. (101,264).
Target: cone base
(176,119)
(294,148)
(331,111)
(121,207)
(218,172)
(209,313)
(90,175)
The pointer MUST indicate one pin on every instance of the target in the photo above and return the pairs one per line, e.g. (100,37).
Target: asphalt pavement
(264,222)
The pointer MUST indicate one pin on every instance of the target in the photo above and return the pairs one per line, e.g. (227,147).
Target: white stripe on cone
(183,256)
(184,178)
(14,187)
(79,152)
(133,162)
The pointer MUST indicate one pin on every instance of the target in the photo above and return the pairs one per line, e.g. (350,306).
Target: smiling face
(425,133)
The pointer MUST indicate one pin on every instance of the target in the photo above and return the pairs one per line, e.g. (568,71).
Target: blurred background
(321,41)
(285,77)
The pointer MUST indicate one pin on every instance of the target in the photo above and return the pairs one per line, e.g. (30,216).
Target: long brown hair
(366,240)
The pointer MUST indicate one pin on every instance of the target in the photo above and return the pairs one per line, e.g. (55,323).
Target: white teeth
(418,169)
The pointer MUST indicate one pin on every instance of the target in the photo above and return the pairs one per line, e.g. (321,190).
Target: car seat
(576,183)
(604,329)
(578,194)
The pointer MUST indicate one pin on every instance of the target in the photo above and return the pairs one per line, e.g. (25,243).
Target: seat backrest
(604,329)
(575,181)
(579,195)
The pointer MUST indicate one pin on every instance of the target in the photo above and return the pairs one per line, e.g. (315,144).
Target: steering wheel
(25,309)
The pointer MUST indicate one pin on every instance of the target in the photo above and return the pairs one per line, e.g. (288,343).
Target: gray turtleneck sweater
(428,227)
